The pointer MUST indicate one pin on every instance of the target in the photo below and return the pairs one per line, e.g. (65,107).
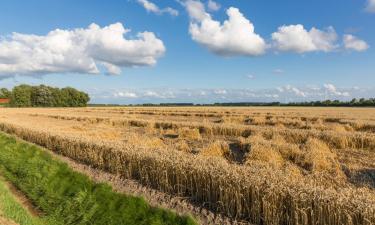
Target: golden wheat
(276,170)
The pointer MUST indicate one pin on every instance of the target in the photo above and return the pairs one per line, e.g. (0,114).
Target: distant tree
(71,97)
(4,93)
(45,96)
(353,101)
(42,96)
(21,96)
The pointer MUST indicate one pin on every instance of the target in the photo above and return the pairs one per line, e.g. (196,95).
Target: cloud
(295,38)
(234,37)
(353,43)
(196,10)
(213,6)
(112,69)
(121,94)
(370,7)
(332,90)
(250,76)
(291,89)
(152,7)
(330,87)
(287,93)
(278,71)
(78,51)
(220,92)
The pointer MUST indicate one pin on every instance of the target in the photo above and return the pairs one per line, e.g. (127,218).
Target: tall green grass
(11,209)
(67,197)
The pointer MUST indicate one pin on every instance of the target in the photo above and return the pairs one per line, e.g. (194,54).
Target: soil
(4,221)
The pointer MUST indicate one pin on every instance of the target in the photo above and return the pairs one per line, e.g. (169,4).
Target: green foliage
(4,93)
(21,96)
(70,198)
(11,209)
(353,103)
(45,96)
(42,96)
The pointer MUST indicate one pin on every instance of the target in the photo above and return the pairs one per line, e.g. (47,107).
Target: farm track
(290,191)
(4,221)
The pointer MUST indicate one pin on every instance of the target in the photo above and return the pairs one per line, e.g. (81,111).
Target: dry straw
(258,195)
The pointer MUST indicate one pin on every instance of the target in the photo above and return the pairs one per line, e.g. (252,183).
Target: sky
(155,51)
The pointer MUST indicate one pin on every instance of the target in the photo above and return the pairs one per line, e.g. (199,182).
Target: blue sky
(281,60)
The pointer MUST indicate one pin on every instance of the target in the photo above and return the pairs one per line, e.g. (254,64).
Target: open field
(262,165)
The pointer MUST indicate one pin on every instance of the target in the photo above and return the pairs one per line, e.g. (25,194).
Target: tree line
(361,102)
(44,96)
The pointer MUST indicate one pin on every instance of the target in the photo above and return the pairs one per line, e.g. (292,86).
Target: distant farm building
(4,100)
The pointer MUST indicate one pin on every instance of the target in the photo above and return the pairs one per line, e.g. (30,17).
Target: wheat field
(263,165)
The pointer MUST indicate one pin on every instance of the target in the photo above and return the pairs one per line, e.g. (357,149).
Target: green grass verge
(67,197)
(11,209)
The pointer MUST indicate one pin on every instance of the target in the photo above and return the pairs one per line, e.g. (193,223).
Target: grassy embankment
(67,197)
(12,210)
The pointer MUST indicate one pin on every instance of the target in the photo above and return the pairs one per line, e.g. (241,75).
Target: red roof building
(4,100)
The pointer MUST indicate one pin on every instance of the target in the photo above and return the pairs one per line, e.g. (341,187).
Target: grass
(13,210)
(67,197)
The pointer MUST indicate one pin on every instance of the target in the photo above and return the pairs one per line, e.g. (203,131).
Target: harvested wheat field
(258,165)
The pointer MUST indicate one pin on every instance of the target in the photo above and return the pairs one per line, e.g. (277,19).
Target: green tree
(353,101)
(73,98)
(21,96)
(45,96)
(4,93)
(42,96)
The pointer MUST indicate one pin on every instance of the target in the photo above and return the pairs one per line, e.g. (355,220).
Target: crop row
(337,140)
(230,189)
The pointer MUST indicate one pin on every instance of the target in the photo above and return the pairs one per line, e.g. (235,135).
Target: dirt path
(4,221)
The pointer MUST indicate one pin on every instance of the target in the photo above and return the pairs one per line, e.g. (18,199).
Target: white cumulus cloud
(234,37)
(212,5)
(295,38)
(370,7)
(353,43)
(78,51)
(121,94)
(296,91)
(332,90)
(152,7)
(196,10)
